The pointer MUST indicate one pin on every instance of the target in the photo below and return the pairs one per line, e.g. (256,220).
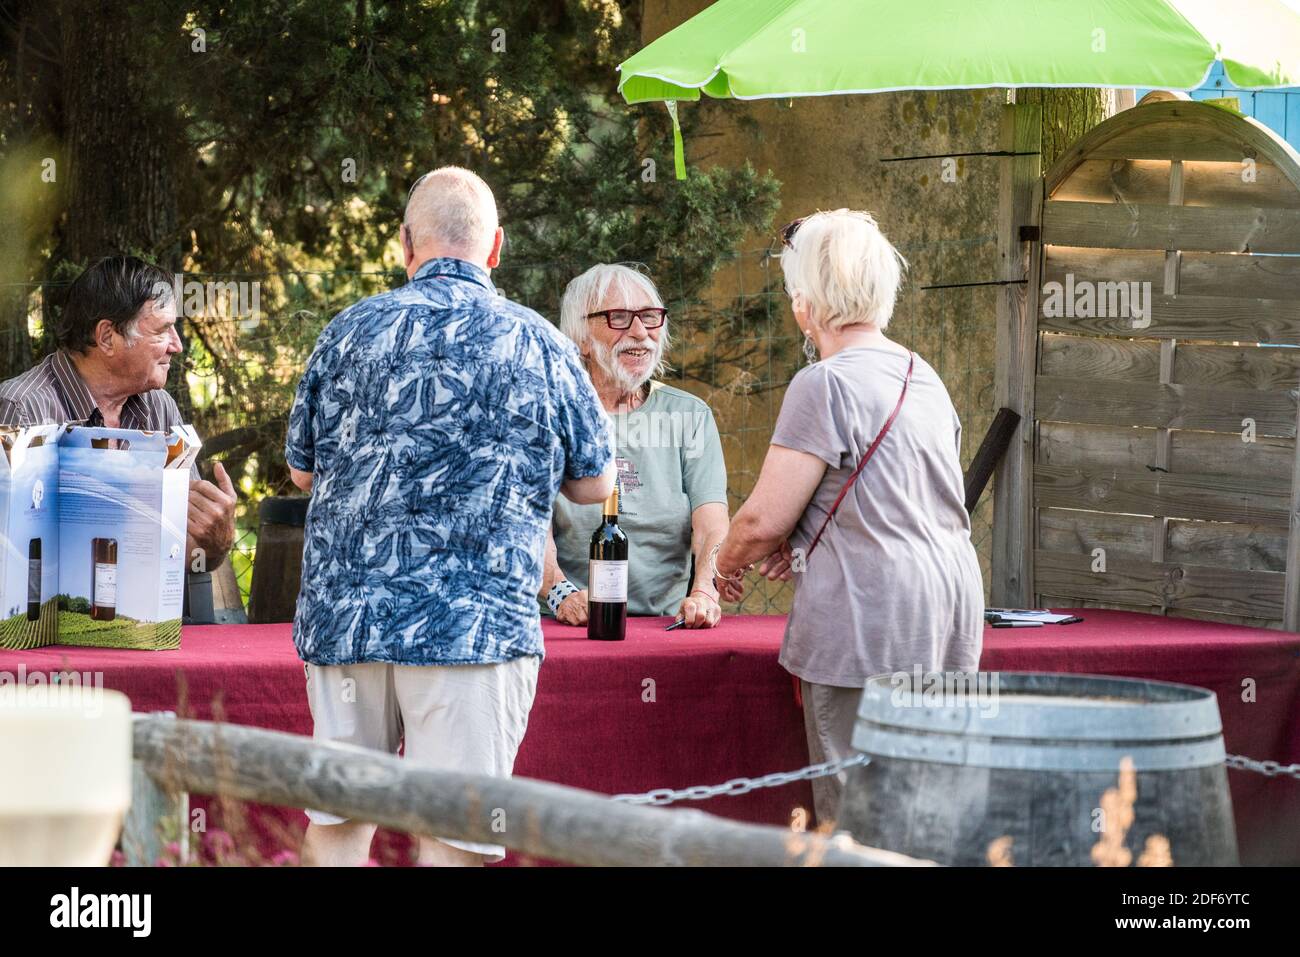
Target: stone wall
(827,153)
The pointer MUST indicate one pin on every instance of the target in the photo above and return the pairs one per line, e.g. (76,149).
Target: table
(701,707)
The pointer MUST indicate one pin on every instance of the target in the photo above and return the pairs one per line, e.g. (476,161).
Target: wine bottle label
(105,584)
(607,581)
(34,580)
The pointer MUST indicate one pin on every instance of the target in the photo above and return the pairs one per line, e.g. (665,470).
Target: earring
(809,350)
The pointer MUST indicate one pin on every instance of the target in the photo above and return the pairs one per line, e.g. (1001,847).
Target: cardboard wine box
(93,540)
(29,536)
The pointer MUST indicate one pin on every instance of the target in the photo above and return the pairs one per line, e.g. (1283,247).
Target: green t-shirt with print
(670,463)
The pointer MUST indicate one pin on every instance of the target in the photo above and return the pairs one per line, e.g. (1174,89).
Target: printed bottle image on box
(29,536)
(101,560)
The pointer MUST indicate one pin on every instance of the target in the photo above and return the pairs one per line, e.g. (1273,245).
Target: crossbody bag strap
(871,450)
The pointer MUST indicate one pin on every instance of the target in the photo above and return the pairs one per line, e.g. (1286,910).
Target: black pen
(1017,624)
(677,624)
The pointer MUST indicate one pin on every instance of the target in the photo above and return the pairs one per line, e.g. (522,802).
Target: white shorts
(468,718)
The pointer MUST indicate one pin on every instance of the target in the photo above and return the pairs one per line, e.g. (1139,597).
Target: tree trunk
(15,291)
(121,175)
(28,200)
(15,343)
(121,149)
(1068,113)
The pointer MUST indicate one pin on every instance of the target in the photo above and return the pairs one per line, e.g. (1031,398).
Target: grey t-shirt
(669,463)
(894,582)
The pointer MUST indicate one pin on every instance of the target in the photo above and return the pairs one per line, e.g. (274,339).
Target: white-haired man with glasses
(672,479)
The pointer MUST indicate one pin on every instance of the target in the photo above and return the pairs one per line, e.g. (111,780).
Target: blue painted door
(1279,110)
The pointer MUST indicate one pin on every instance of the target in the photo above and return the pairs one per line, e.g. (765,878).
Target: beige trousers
(829,713)
(468,718)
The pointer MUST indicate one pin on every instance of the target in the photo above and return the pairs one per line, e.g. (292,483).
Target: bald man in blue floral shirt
(434,427)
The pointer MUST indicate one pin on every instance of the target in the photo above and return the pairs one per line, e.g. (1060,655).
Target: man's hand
(573,610)
(212,518)
(777,566)
(700,610)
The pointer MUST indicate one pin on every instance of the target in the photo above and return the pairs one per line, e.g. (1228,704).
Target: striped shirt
(53,392)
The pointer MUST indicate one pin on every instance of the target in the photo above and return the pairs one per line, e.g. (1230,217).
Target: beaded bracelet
(735,579)
(559,591)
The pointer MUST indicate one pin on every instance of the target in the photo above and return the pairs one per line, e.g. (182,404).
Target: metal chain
(1269,769)
(735,786)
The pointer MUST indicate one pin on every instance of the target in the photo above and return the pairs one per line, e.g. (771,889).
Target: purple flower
(219,843)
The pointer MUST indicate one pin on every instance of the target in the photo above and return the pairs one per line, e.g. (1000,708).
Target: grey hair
(586,292)
(116,288)
(453,208)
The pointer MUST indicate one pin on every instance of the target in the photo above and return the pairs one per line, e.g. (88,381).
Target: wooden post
(991,450)
(1164,438)
(227,605)
(1017,337)
(1291,596)
(151,806)
(537,818)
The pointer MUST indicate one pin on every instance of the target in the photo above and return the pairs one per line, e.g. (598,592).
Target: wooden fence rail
(532,817)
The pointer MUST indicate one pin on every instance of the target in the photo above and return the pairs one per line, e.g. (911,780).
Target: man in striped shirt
(116,338)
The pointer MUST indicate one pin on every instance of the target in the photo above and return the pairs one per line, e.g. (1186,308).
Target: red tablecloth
(701,707)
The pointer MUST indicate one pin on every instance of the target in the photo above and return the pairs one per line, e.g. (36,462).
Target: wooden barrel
(1040,769)
(277,565)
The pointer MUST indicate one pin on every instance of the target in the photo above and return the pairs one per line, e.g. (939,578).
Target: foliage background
(275,142)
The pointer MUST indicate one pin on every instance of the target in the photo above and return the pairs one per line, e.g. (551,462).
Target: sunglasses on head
(788,231)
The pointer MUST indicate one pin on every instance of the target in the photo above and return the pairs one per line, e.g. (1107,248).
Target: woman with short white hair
(860,500)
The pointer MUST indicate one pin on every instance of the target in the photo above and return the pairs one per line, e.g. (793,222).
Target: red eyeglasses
(651,317)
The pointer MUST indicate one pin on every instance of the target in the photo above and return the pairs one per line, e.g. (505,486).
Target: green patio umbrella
(759,49)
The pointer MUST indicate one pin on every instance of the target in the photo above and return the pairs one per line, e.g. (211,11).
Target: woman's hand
(700,610)
(777,566)
(732,590)
(573,610)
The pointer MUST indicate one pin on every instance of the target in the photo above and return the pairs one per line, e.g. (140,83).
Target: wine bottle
(34,580)
(607,577)
(103,579)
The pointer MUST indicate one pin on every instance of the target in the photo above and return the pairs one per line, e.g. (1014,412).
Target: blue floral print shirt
(439,421)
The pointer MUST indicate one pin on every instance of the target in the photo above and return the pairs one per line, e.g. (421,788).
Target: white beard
(606,357)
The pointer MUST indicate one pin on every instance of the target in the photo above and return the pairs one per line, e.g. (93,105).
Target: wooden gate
(1154,367)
